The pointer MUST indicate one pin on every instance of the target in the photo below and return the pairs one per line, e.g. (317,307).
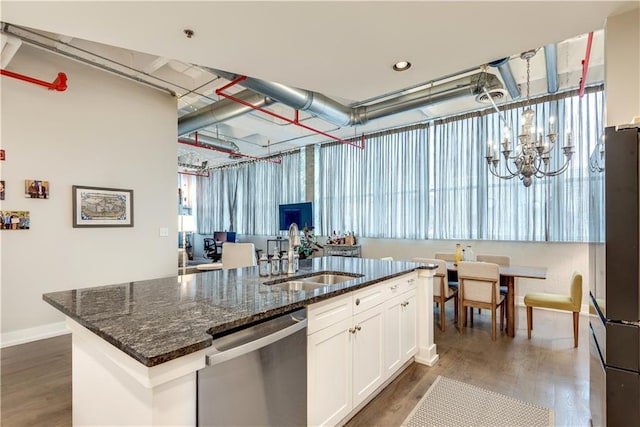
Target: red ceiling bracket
(295,121)
(59,84)
(585,65)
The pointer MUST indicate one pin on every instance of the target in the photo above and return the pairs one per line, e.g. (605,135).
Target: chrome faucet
(294,242)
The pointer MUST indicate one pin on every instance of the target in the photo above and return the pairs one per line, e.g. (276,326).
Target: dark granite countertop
(158,320)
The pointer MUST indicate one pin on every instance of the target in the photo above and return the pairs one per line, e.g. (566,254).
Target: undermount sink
(313,282)
(329,279)
(298,285)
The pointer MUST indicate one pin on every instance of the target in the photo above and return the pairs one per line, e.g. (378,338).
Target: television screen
(300,213)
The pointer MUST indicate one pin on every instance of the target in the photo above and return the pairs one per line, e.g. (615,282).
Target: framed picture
(36,189)
(15,220)
(102,207)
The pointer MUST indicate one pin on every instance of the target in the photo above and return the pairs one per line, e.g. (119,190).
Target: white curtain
(245,197)
(433,181)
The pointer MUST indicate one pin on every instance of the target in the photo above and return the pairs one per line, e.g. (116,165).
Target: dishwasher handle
(255,337)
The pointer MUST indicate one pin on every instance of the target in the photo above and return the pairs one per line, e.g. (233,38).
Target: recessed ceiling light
(402,65)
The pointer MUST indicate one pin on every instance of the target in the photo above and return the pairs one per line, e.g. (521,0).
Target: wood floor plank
(36,383)
(547,370)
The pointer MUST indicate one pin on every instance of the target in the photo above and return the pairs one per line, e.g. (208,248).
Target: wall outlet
(164,232)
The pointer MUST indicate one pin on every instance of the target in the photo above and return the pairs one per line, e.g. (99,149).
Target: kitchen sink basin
(298,285)
(329,279)
(310,283)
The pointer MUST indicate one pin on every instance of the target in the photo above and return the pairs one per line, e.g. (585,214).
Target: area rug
(453,403)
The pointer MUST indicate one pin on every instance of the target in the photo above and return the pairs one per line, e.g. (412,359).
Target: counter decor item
(308,243)
(275,263)
(458,256)
(102,207)
(263,265)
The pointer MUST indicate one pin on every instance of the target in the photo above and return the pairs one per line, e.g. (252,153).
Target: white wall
(622,67)
(102,131)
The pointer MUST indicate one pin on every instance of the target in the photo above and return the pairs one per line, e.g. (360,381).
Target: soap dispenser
(263,265)
(275,263)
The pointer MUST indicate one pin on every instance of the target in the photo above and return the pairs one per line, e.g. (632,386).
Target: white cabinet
(400,327)
(355,343)
(329,367)
(366,340)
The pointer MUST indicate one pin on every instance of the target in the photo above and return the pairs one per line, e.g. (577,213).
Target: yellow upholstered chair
(570,302)
(479,287)
(442,292)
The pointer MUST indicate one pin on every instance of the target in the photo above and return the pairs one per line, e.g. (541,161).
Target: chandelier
(532,153)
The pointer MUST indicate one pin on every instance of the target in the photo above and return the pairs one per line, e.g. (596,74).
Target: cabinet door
(408,327)
(329,374)
(368,372)
(393,335)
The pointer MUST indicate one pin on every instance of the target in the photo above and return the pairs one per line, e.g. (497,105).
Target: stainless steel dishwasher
(257,376)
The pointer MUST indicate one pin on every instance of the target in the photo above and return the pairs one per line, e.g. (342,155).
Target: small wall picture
(36,189)
(102,207)
(15,220)
(1,190)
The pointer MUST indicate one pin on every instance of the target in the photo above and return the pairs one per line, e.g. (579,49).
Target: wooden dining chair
(571,302)
(501,260)
(452,276)
(442,292)
(479,288)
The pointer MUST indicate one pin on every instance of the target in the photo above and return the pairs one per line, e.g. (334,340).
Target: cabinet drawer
(368,297)
(399,286)
(329,312)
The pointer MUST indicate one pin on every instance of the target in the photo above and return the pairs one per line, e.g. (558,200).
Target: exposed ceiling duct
(205,141)
(507,76)
(339,114)
(220,111)
(551,61)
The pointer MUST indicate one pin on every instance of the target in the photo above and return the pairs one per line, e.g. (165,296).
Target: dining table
(508,275)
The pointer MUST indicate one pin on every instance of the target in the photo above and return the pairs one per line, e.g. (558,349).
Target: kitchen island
(137,346)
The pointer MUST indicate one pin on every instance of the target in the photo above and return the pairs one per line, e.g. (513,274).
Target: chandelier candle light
(532,154)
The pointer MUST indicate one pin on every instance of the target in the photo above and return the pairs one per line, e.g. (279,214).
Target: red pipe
(59,84)
(585,65)
(295,121)
(277,162)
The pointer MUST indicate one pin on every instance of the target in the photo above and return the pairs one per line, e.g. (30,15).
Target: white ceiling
(344,50)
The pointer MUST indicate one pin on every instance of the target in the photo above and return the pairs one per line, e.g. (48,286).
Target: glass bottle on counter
(458,256)
(296,262)
(275,263)
(284,263)
(263,265)
(470,256)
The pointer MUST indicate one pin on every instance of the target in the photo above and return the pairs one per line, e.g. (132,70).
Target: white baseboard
(23,336)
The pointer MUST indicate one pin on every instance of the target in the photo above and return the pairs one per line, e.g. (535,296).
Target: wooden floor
(546,371)
(36,377)
(36,383)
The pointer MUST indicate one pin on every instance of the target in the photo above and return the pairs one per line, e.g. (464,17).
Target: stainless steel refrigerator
(614,282)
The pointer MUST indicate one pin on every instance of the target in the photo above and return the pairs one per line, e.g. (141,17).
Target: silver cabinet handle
(394,287)
(411,280)
(357,301)
(358,328)
(404,304)
(352,331)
